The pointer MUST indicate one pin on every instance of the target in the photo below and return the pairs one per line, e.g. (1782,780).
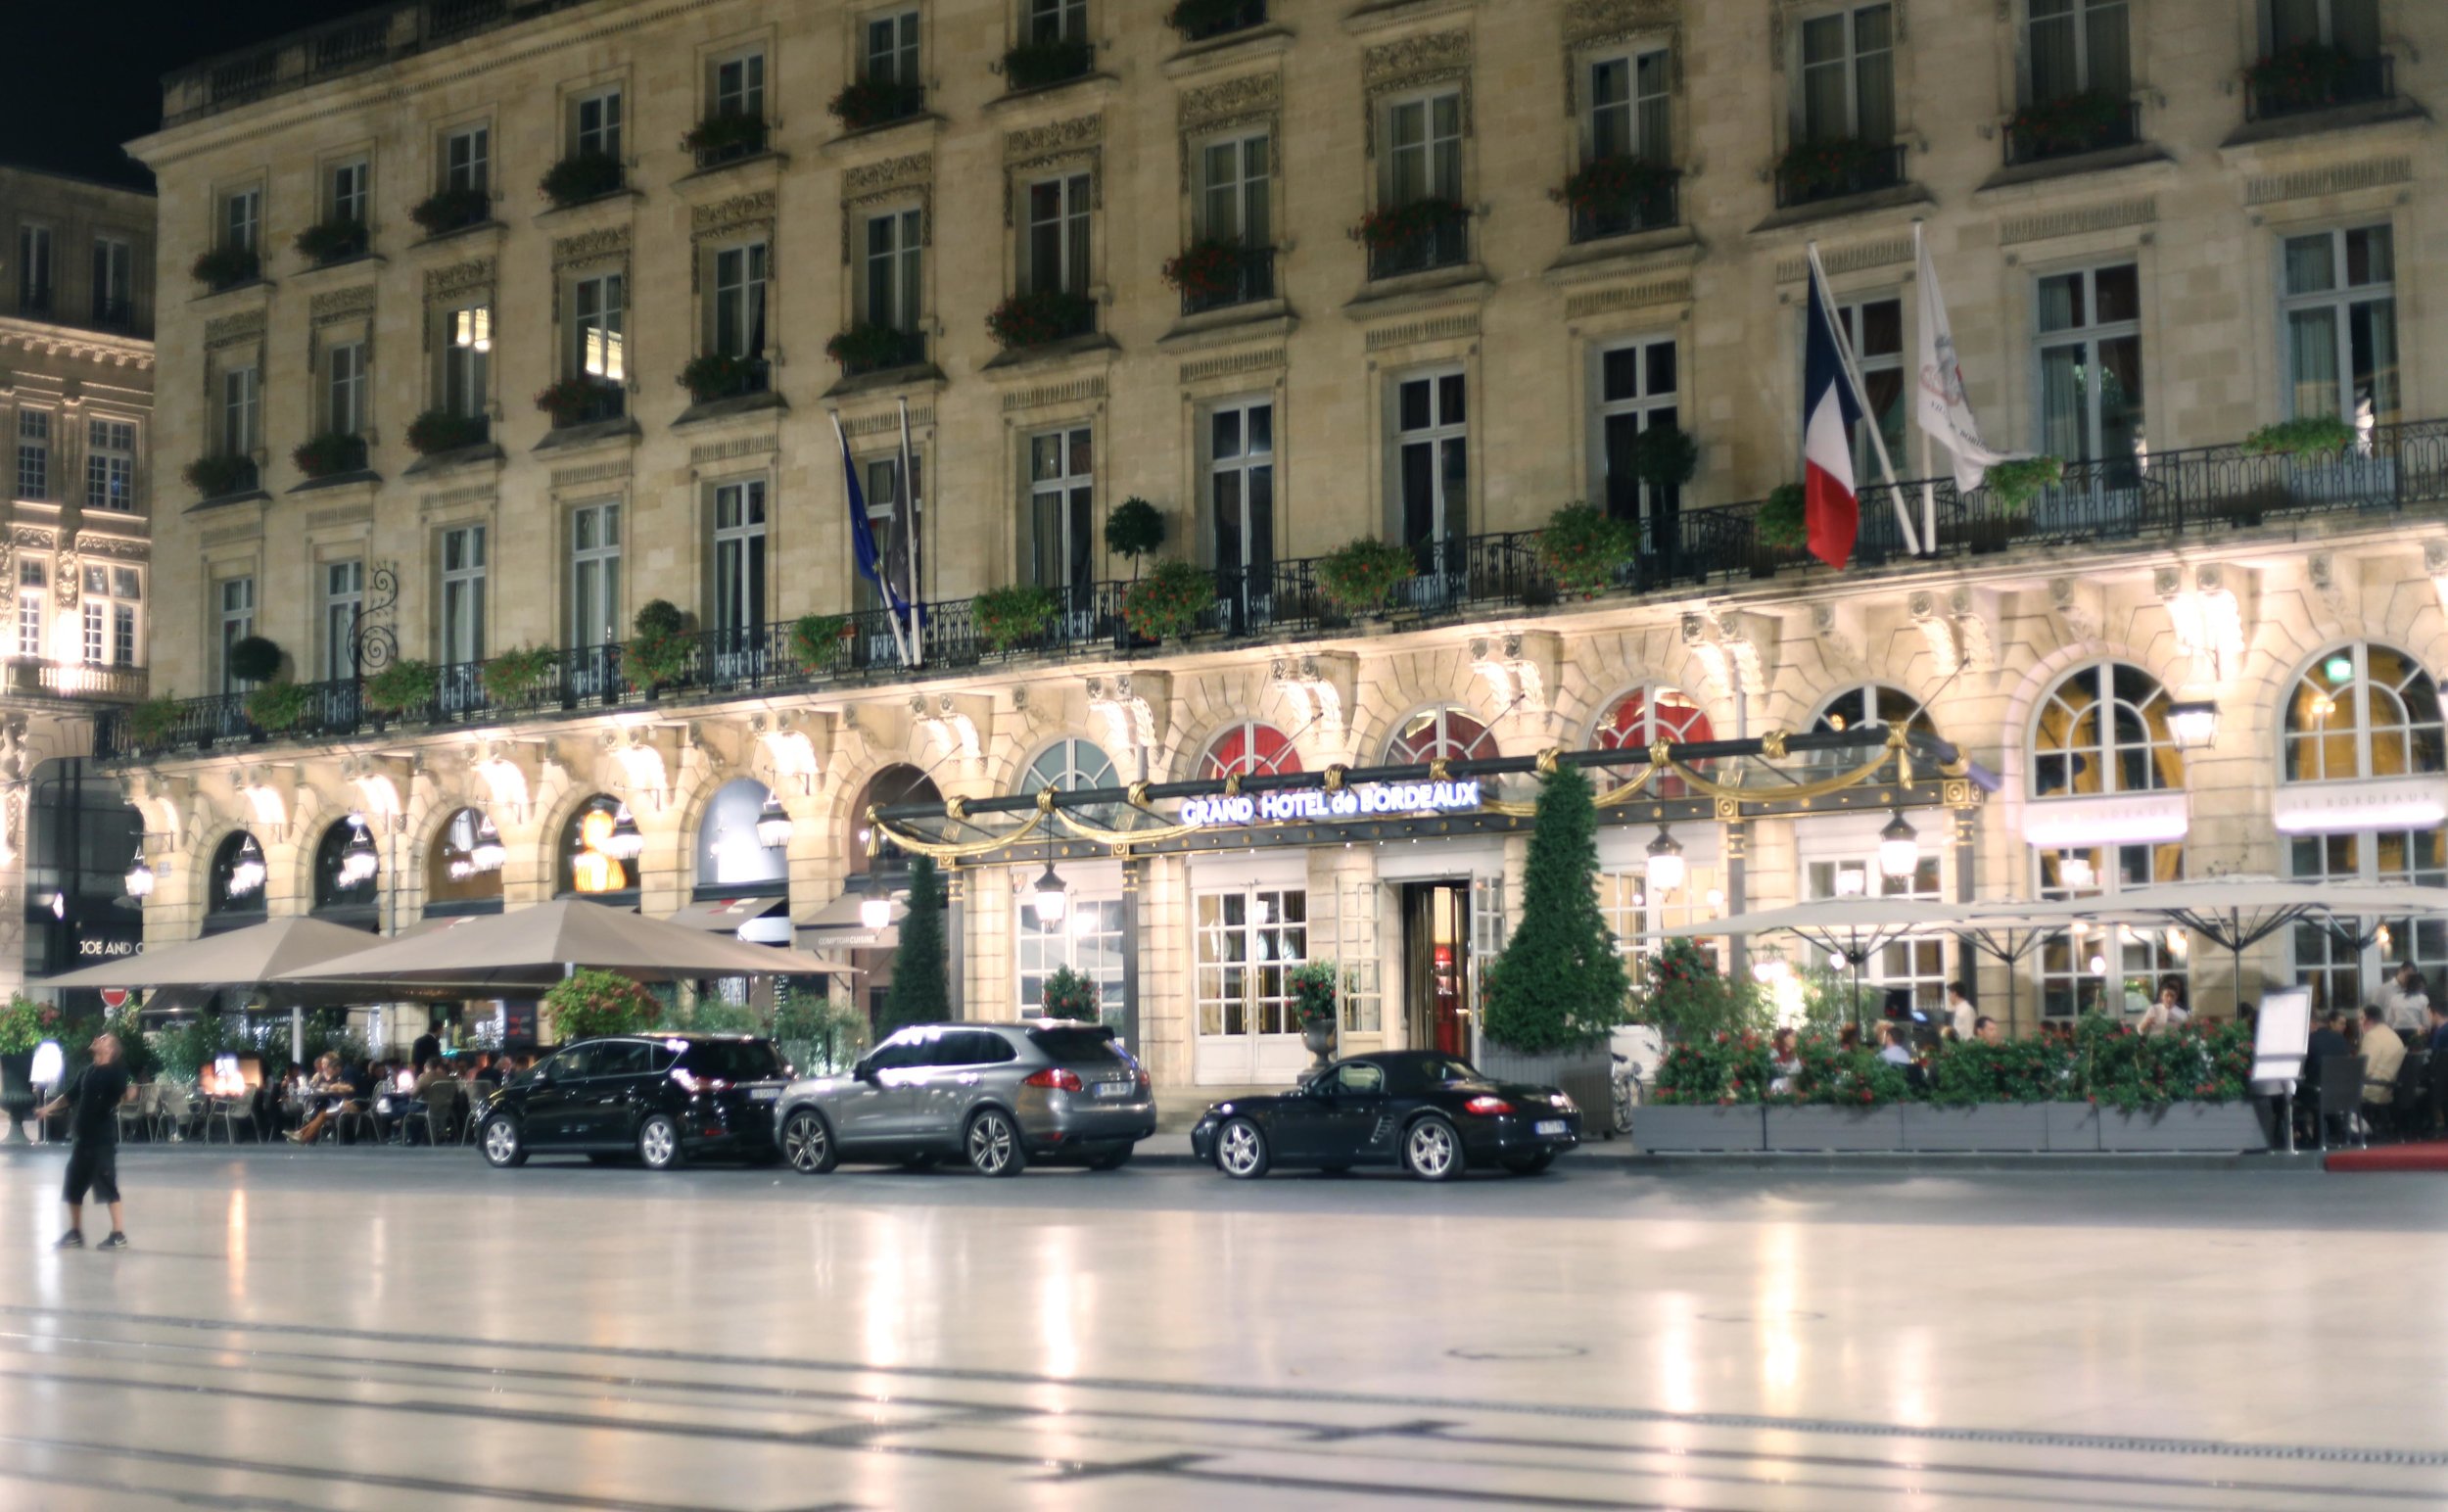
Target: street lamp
(487,853)
(624,843)
(2194,723)
(772,822)
(140,875)
(1052,900)
(247,874)
(1899,848)
(875,908)
(1666,863)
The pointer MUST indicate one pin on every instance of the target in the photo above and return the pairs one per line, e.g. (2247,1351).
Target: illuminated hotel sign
(1298,803)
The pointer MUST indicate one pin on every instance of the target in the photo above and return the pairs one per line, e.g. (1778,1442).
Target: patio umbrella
(1853,929)
(535,947)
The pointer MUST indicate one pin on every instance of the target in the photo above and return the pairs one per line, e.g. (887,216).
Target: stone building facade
(77,416)
(1444,264)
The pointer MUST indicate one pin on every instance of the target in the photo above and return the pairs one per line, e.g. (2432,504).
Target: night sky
(78,77)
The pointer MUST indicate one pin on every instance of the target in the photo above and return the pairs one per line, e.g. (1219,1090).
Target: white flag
(1945,415)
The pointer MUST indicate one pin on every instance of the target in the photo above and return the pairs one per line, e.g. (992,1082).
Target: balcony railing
(1251,278)
(727,138)
(2311,77)
(1199,21)
(2070,126)
(110,315)
(33,298)
(1651,208)
(1442,243)
(587,404)
(362,40)
(1813,171)
(2171,495)
(74,679)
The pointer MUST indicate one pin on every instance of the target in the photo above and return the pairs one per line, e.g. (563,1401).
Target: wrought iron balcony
(1239,275)
(2307,78)
(1652,205)
(1813,171)
(1200,20)
(1417,237)
(2070,126)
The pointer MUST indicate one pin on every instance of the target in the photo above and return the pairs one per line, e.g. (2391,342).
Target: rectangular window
(596,128)
(2335,968)
(1638,389)
(1875,330)
(34,269)
(111,601)
(110,464)
(463,594)
(344,410)
(467,158)
(1915,964)
(1848,75)
(739,275)
(113,281)
(468,362)
(1061,504)
(1088,939)
(893,249)
(597,349)
(595,575)
(2340,306)
(1232,199)
(344,600)
(1241,490)
(33,592)
(237,624)
(739,85)
(1057,244)
(1423,149)
(346,192)
(2091,372)
(241,219)
(1431,462)
(883,514)
(2079,47)
(2116,969)
(33,453)
(739,557)
(891,53)
(1057,20)
(1629,114)
(241,411)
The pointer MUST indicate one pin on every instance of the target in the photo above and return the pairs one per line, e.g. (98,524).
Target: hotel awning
(726,915)
(838,926)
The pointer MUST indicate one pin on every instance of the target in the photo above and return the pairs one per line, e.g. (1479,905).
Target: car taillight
(1057,1078)
(1487,1106)
(1143,1076)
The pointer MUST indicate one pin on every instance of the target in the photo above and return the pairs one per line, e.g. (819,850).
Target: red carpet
(2429,1156)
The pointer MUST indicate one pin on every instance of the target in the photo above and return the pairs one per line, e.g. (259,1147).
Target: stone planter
(1673,1128)
(1588,1077)
(2220,1128)
(1317,1036)
(1818,1126)
(1985,1127)
(16,1091)
(2073,1127)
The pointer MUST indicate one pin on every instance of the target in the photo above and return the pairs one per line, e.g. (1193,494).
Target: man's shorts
(95,1168)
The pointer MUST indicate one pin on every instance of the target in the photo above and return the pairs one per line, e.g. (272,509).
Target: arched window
(2104,730)
(1068,765)
(345,871)
(463,868)
(895,784)
(1873,703)
(597,854)
(2363,711)
(1249,749)
(1439,734)
(1645,716)
(730,853)
(238,873)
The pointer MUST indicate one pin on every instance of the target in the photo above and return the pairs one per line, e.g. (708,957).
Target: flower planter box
(2073,1127)
(2222,1128)
(1994,1127)
(1670,1128)
(1588,1077)
(1815,1127)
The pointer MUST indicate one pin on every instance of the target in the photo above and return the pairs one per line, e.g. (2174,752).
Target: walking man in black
(94,1128)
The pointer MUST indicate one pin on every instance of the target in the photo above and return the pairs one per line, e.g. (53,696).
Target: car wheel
(1530,1164)
(1433,1150)
(1111,1159)
(501,1142)
(1240,1149)
(658,1143)
(808,1144)
(993,1141)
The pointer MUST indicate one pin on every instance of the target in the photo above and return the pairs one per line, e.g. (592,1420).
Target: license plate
(764,1094)
(1549,1126)
(1114,1088)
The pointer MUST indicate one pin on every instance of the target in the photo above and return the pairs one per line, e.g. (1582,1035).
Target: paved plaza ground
(407,1329)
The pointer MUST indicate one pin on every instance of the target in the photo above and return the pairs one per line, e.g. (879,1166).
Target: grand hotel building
(471,250)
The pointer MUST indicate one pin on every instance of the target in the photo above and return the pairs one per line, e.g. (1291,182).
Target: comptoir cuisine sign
(1317,803)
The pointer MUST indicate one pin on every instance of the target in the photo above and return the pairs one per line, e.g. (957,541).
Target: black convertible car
(1431,1113)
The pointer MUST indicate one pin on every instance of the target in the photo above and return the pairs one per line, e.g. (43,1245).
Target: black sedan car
(1431,1113)
(663,1097)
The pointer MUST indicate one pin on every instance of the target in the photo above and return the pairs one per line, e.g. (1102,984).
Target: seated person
(439,1092)
(2383,1053)
(331,1095)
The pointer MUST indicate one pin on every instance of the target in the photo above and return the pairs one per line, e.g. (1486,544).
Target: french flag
(1829,410)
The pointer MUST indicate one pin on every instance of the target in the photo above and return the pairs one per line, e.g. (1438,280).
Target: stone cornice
(95,346)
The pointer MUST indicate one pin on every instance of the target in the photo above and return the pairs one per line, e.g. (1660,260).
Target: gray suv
(997,1095)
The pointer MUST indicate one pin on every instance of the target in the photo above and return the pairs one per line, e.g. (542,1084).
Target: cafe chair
(2337,1094)
(2406,1108)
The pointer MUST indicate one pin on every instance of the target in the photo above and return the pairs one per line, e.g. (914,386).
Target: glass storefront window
(2117,970)
(1917,963)
(2363,711)
(1248,942)
(1088,939)
(2341,973)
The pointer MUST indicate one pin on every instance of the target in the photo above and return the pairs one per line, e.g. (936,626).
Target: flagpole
(850,509)
(1862,396)
(910,501)
(1929,488)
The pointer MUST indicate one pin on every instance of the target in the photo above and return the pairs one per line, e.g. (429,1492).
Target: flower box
(1676,1128)
(1995,1127)
(2073,1128)
(1829,1126)
(2220,1128)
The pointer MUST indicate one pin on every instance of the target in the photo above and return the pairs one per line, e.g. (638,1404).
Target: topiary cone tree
(1559,984)
(918,992)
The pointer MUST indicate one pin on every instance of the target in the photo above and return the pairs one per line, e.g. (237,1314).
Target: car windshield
(732,1060)
(1077,1046)
(1444,1071)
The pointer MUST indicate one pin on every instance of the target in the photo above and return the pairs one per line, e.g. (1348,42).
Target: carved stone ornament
(1409,62)
(460,278)
(112,545)
(887,176)
(739,213)
(608,244)
(1588,23)
(1235,104)
(1056,139)
(333,304)
(233,330)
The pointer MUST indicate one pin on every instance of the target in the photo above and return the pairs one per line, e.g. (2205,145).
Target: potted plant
(1615,181)
(253,659)
(660,649)
(1134,529)
(222,268)
(1559,985)
(866,348)
(589,1003)
(1045,316)
(713,375)
(439,430)
(1665,457)
(1069,995)
(329,454)
(214,477)
(24,1025)
(1360,577)
(403,686)
(2314,434)
(1208,268)
(1005,617)
(721,137)
(1816,170)
(573,400)
(278,706)
(2302,75)
(873,102)
(329,241)
(451,209)
(520,676)
(1166,606)
(2015,482)
(817,642)
(1783,523)
(1583,548)
(1036,65)
(152,723)
(2067,124)
(1707,1096)
(1313,985)
(1390,226)
(579,177)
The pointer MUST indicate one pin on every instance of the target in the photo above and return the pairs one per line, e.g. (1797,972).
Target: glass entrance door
(1249,940)
(1437,966)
